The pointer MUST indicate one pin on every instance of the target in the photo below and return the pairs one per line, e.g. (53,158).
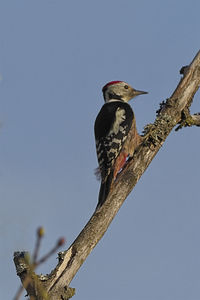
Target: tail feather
(104,190)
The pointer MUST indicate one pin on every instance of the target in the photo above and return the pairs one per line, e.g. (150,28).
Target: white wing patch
(120,116)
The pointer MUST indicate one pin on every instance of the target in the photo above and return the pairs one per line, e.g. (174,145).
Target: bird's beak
(136,92)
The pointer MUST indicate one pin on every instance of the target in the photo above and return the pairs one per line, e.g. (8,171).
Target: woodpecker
(115,131)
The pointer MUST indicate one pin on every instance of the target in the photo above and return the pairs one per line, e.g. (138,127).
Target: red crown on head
(110,83)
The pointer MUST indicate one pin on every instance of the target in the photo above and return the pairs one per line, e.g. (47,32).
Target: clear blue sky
(55,56)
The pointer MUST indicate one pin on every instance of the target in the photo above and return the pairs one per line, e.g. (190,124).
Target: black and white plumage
(111,129)
(115,133)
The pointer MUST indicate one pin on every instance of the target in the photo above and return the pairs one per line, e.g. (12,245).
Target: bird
(116,134)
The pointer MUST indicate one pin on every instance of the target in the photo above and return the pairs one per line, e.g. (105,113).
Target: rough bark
(173,111)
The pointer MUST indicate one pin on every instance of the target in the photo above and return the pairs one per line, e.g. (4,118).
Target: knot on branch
(184,70)
(69,293)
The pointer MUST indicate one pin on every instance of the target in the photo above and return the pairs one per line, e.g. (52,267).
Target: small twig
(190,120)
(59,244)
(19,293)
(34,262)
(40,234)
(196,119)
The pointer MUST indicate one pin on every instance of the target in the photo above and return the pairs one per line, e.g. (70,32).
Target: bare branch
(196,119)
(189,120)
(169,115)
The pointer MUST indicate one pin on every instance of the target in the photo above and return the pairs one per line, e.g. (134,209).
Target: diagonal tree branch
(168,116)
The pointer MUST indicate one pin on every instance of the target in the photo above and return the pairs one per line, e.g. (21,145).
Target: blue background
(55,56)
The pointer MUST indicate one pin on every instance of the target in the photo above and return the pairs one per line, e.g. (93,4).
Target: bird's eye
(126,87)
